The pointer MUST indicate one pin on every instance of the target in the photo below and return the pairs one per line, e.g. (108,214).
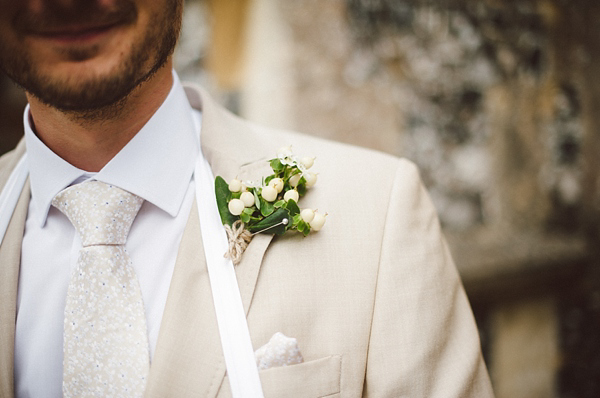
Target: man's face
(83,55)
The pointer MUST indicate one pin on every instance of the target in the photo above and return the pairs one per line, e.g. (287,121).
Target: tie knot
(102,214)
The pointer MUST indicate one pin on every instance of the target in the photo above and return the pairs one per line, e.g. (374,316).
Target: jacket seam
(383,232)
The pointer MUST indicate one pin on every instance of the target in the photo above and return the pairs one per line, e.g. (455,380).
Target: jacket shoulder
(347,157)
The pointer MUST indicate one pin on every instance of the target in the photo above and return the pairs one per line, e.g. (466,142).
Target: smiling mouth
(76,34)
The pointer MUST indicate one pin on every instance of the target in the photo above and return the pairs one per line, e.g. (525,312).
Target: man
(373,300)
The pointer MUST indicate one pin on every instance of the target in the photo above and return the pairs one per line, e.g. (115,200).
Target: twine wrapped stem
(238,238)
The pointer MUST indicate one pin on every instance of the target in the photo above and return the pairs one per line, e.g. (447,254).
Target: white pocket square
(279,351)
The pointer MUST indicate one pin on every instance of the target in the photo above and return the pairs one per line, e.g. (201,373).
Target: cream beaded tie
(105,340)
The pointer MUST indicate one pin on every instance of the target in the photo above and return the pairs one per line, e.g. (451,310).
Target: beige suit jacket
(373,299)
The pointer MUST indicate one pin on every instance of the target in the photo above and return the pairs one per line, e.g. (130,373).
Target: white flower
(307,162)
(294,180)
(235,185)
(236,207)
(317,222)
(307,215)
(285,151)
(291,194)
(269,194)
(286,156)
(276,183)
(247,198)
(253,184)
(311,178)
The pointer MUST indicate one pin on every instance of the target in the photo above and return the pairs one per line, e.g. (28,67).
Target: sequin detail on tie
(105,339)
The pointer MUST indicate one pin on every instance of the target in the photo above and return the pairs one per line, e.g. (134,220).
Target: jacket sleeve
(424,341)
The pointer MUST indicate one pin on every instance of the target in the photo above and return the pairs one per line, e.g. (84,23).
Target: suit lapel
(248,269)
(234,150)
(189,359)
(10,259)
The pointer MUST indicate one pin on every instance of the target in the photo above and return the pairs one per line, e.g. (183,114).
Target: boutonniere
(269,205)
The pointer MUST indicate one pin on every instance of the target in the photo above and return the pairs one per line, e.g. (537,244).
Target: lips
(75,33)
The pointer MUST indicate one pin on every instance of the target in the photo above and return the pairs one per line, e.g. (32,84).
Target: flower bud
(285,151)
(235,185)
(317,222)
(307,215)
(294,180)
(291,194)
(307,162)
(236,207)
(311,179)
(247,198)
(269,193)
(276,183)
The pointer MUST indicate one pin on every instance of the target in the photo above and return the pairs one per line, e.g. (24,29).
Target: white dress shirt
(157,165)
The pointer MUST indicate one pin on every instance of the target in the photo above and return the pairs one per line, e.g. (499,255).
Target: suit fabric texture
(373,299)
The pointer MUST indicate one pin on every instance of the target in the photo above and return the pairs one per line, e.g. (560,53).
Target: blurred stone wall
(447,85)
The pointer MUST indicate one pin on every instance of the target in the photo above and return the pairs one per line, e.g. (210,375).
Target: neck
(89,141)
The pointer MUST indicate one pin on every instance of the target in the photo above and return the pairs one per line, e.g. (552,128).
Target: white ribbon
(231,317)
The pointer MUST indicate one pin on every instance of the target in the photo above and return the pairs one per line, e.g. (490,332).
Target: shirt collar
(157,164)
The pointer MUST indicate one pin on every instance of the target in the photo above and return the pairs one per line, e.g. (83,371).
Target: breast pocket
(318,378)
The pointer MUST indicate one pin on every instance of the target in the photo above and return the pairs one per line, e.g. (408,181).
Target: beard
(96,95)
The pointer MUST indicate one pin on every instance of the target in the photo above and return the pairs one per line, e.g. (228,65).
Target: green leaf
(256,199)
(303,227)
(276,165)
(245,217)
(301,187)
(273,223)
(223,196)
(279,203)
(266,208)
(292,206)
(296,219)
(254,220)
(306,230)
